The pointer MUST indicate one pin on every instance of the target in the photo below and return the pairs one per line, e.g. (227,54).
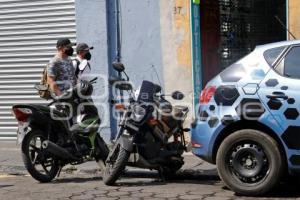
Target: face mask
(69,51)
(88,56)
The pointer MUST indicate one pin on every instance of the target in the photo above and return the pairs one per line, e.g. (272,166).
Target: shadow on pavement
(76,180)
(208,177)
(3,186)
(285,190)
(204,177)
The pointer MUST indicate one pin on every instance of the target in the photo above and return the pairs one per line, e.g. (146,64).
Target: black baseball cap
(83,47)
(64,42)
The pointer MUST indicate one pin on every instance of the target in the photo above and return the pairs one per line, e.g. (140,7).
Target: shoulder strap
(88,64)
(77,67)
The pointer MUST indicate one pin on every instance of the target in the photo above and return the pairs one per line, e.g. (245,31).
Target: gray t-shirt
(63,72)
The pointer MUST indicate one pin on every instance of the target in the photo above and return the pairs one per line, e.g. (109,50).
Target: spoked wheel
(250,162)
(115,164)
(40,164)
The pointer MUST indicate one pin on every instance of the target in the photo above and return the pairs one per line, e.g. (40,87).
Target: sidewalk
(11,163)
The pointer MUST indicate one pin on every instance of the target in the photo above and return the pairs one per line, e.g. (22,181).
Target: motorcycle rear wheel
(40,165)
(115,165)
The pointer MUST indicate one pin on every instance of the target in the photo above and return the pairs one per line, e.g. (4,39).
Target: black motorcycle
(144,138)
(51,137)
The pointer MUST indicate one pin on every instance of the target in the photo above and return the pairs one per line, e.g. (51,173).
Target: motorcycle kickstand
(161,175)
(59,170)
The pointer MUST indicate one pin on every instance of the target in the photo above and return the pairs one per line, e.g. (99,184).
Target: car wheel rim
(248,162)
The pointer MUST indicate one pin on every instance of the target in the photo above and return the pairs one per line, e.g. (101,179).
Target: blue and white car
(248,120)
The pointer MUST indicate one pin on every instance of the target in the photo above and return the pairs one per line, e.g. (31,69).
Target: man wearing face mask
(60,70)
(81,64)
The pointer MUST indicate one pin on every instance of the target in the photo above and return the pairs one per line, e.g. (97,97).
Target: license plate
(23,129)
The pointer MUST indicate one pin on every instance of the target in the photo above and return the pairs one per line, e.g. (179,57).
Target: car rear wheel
(250,162)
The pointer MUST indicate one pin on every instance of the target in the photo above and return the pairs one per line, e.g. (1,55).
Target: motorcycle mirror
(177,95)
(118,66)
(40,87)
(93,80)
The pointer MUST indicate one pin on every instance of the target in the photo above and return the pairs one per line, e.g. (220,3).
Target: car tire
(250,162)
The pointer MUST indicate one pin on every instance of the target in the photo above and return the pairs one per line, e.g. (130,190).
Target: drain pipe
(115,49)
(119,42)
(118,32)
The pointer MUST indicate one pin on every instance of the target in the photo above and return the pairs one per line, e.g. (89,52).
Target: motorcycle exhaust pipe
(57,150)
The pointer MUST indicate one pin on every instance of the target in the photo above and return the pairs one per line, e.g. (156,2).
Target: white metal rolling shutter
(29,30)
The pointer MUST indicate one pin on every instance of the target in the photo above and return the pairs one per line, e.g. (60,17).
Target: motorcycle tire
(33,156)
(116,165)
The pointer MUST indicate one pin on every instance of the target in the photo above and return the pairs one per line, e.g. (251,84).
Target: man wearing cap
(81,65)
(60,71)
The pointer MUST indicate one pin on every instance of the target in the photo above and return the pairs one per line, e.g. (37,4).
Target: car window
(292,63)
(271,54)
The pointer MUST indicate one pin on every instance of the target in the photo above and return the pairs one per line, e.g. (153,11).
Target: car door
(280,93)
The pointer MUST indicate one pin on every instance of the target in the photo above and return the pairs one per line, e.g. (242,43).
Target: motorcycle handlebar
(93,80)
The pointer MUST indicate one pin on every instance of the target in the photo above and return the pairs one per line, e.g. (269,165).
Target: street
(196,180)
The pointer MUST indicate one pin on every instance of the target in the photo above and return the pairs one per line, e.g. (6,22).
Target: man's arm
(51,77)
(53,86)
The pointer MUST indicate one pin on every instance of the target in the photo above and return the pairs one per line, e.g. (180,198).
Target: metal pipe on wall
(114,50)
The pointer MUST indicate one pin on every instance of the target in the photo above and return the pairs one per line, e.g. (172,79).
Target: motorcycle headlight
(138,113)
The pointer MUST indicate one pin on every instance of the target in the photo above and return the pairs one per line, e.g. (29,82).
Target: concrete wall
(294,22)
(156,43)
(156,33)
(176,48)
(141,40)
(91,28)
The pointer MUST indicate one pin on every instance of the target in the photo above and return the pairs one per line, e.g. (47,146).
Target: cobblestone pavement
(197,180)
(135,184)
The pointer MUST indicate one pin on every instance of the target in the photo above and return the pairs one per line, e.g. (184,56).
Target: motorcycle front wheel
(40,164)
(115,165)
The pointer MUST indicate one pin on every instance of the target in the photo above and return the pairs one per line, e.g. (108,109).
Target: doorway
(230,29)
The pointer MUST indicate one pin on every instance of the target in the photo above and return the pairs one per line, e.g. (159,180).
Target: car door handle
(277,96)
